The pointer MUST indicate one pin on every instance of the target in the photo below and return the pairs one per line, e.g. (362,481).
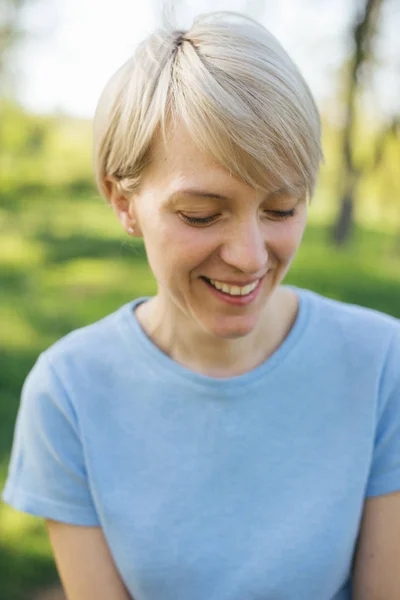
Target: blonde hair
(236,90)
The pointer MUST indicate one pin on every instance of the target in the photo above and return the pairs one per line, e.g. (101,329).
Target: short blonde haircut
(236,90)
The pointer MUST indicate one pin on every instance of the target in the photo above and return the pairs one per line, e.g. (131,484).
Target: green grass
(64,262)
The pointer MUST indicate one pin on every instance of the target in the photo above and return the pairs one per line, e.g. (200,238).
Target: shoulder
(354,325)
(359,345)
(93,350)
(91,336)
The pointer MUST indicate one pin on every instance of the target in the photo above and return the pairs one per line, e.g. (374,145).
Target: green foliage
(377,201)
(43,151)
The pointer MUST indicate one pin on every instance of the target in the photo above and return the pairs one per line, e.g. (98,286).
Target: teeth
(234,290)
(249,288)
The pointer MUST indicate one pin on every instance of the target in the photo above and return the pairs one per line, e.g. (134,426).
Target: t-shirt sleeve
(47,475)
(385,469)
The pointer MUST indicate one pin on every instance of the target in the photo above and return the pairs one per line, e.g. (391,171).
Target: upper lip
(238,283)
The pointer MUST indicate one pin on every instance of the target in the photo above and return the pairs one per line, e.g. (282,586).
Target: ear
(121,204)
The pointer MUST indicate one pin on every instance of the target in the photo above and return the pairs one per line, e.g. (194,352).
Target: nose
(246,247)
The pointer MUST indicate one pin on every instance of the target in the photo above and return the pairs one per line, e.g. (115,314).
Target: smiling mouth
(232,290)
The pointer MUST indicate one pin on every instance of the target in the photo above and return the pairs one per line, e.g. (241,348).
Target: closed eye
(278,215)
(281,214)
(199,220)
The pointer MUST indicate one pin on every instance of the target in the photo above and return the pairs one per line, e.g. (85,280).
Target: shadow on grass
(14,280)
(63,249)
(21,573)
(366,272)
(78,190)
(370,291)
(14,367)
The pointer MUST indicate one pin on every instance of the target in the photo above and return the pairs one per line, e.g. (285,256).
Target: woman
(229,438)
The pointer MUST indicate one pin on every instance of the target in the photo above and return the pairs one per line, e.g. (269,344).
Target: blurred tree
(364,32)
(11,34)
(10,31)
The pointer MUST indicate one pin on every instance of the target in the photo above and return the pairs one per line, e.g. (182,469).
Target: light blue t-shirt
(248,488)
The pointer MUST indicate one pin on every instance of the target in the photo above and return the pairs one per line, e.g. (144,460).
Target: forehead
(177,161)
(177,156)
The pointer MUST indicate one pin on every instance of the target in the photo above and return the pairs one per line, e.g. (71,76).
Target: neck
(202,352)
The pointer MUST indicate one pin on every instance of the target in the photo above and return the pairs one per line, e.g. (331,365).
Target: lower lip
(235,300)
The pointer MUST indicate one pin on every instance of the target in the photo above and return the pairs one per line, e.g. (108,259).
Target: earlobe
(128,222)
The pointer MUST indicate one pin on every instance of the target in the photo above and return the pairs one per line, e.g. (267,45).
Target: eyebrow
(200,194)
(206,194)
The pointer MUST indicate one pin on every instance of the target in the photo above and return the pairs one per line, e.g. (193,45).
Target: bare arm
(377,560)
(84,562)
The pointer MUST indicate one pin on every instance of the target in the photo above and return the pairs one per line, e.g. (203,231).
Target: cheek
(191,249)
(173,248)
(285,237)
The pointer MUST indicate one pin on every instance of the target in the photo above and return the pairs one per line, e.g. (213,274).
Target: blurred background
(64,260)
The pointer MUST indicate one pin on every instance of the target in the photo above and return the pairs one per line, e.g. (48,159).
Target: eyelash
(199,220)
(280,214)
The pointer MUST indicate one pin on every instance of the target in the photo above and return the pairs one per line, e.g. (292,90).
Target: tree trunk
(363,32)
(343,227)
